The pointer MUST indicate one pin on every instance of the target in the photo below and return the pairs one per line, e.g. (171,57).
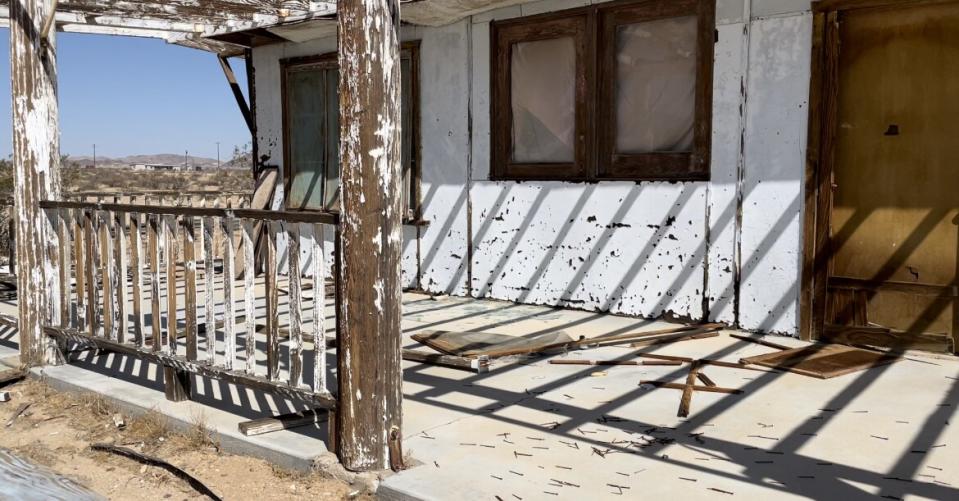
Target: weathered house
(732,160)
(647,157)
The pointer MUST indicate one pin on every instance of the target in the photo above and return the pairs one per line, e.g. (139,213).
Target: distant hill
(160,158)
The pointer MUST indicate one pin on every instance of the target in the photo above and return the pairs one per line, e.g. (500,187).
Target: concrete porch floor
(531,430)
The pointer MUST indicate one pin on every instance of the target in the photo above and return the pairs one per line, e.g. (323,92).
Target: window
(612,91)
(311,132)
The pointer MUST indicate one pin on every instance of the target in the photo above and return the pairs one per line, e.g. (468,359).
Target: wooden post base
(177,384)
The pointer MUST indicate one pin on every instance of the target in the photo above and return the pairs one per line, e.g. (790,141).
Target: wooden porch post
(36,159)
(369,412)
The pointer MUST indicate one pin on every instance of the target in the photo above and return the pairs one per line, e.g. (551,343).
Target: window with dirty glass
(610,91)
(311,130)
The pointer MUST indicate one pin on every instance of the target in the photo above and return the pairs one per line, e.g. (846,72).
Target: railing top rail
(154,192)
(266,215)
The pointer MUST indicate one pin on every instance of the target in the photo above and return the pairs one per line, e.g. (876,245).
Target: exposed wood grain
(686,400)
(189,288)
(282,422)
(209,288)
(272,304)
(36,176)
(295,303)
(93,285)
(154,239)
(108,275)
(886,338)
(249,304)
(229,308)
(822,361)
(171,231)
(63,225)
(686,387)
(319,309)
(613,362)
(136,269)
(79,268)
(120,274)
(763,342)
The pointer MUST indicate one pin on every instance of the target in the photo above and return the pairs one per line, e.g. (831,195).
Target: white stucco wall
(646,249)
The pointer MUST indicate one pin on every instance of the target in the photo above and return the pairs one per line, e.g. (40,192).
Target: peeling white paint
(638,249)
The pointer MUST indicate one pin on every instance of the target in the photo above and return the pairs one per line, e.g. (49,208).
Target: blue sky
(136,96)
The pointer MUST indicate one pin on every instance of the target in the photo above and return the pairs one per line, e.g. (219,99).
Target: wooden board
(822,361)
(473,344)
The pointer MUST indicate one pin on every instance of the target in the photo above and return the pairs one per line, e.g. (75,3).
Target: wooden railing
(120,281)
(195,198)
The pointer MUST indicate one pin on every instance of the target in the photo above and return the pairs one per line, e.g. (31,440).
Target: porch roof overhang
(189,23)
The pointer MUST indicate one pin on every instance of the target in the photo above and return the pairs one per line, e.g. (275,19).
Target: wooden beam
(370,369)
(237,93)
(36,160)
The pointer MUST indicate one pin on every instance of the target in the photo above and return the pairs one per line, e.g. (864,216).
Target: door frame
(820,157)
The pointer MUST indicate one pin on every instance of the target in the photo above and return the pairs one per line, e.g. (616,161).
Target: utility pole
(94,155)
(186,160)
(217,155)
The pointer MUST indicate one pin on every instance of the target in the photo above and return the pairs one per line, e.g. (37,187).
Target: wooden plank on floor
(283,422)
(822,361)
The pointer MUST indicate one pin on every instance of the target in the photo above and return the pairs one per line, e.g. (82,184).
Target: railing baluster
(108,276)
(272,305)
(92,250)
(229,315)
(172,230)
(120,274)
(209,274)
(79,268)
(189,288)
(136,269)
(153,241)
(319,310)
(295,304)
(63,227)
(249,277)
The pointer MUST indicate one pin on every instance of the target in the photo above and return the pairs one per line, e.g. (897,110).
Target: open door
(890,168)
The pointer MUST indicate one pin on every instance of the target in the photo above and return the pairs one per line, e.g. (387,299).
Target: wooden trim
(818,176)
(328,60)
(918,289)
(594,29)
(826,6)
(265,215)
(575,23)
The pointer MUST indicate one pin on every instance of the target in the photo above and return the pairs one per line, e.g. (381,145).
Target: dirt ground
(57,429)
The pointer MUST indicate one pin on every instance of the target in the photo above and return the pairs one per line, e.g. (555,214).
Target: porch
(533,429)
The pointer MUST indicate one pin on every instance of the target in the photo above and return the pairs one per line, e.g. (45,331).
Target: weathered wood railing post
(369,412)
(36,157)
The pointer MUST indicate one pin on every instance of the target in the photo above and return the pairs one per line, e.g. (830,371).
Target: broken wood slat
(473,344)
(120,274)
(295,304)
(678,386)
(759,341)
(209,276)
(282,422)
(171,233)
(229,313)
(686,400)
(63,226)
(272,305)
(17,413)
(480,364)
(674,338)
(703,378)
(704,361)
(631,336)
(822,361)
(249,275)
(319,310)
(189,288)
(108,276)
(79,268)
(136,268)
(153,241)
(614,362)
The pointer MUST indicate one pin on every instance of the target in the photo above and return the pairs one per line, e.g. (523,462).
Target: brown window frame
(329,60)
(594,28)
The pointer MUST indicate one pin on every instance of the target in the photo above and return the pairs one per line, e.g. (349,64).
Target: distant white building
(156,167)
